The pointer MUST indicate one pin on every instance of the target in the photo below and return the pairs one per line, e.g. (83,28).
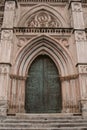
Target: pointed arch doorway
(43,88)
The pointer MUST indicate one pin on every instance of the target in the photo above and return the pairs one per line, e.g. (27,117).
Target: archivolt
(36,9)
(40,46)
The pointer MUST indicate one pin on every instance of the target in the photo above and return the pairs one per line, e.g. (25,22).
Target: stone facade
(56,28)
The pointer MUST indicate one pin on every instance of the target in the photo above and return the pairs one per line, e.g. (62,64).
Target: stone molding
(46,45)
(69,77)
(13,76)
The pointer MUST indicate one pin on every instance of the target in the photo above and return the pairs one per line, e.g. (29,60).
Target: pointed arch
(44,45)
(38,8)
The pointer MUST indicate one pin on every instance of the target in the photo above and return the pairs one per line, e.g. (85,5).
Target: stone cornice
(50,1)
(42,1)
(18,30)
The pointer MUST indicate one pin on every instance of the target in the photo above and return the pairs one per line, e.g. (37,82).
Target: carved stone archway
(39,46)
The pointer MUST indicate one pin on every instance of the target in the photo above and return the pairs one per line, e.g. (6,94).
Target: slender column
(5,53)
(81,48)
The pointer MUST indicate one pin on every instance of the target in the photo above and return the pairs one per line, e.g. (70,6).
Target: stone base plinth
(3,107)
(84,107)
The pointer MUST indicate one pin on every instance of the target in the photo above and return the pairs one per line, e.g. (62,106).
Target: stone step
(45,121)
(50,115)
(43,125)
(40,128)
(44,116)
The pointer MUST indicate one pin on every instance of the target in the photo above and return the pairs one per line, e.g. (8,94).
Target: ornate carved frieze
(43,19)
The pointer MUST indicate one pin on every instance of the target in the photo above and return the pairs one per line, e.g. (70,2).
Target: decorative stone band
(42,30)
(69,77)
(61,78)
(12,76)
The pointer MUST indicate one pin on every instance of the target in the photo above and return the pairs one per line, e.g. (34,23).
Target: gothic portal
(43,89)
(43,56)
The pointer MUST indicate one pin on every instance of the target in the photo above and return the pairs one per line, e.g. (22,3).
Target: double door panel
(43,90)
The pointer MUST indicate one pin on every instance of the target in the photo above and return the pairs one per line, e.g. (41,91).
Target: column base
(3,107)
(84,108)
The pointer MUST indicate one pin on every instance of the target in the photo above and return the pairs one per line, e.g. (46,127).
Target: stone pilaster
(6,44)
(81,48)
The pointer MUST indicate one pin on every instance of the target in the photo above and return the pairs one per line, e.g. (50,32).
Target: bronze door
(43,89)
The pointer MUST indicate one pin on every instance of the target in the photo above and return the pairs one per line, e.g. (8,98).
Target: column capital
(71,1)
(12,0)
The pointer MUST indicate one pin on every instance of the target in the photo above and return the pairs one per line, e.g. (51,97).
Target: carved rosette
(43,19)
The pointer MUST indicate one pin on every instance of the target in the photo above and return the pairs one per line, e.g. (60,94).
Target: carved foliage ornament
(43,19)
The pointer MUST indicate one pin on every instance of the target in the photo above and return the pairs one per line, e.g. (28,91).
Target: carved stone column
(81,48)
(6,44)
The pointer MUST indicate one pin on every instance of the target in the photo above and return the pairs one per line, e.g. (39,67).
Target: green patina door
(43,89)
